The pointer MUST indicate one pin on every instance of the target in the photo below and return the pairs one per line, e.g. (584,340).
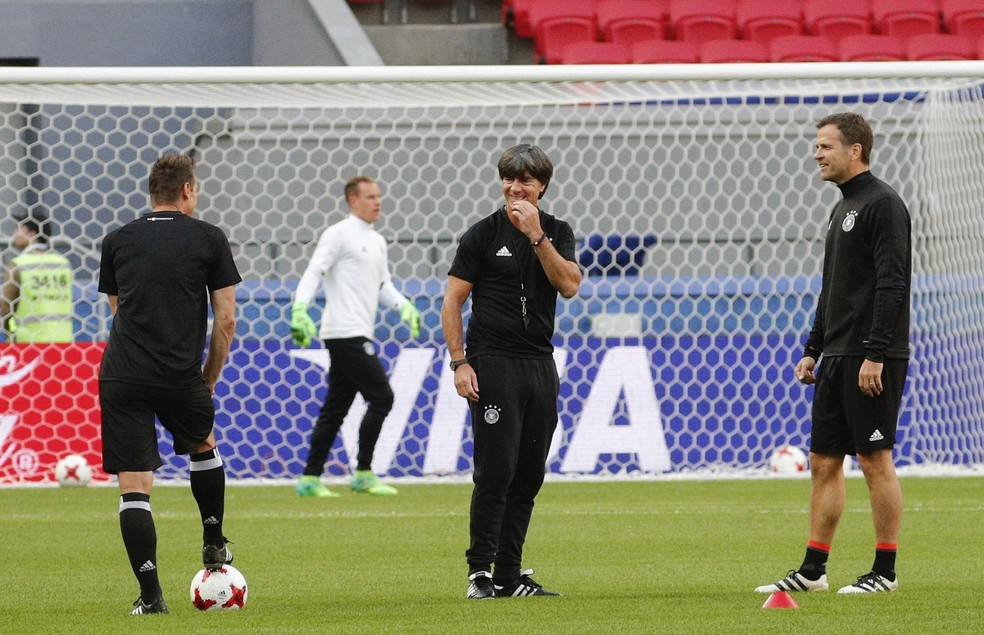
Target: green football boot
(312,486)
(365,482)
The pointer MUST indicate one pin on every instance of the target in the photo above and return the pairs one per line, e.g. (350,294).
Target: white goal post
(691,188)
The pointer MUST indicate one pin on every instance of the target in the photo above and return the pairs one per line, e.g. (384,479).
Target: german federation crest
(849,220)
(492,414)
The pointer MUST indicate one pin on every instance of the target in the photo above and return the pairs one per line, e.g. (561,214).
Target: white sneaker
(795,582)
(871,583)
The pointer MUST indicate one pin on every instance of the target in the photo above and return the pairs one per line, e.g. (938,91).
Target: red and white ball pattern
(219,590)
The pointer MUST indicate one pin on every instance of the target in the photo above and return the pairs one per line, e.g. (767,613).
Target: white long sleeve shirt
(350,262)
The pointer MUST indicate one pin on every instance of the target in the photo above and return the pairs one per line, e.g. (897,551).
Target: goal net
(697,205)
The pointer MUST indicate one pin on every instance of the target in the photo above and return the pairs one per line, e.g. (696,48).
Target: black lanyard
(521,267)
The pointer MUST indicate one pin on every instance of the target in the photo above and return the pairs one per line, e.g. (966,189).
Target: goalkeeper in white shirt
(351,265)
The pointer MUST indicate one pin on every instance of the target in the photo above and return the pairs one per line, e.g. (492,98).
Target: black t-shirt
(498,260)
(162,266)
(863,309)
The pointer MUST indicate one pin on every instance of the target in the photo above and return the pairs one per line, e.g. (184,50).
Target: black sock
(885,560)
(140,540)
(815,563)
(208,488)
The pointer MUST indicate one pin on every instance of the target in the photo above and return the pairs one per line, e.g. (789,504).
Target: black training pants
(354,368)
(513,422)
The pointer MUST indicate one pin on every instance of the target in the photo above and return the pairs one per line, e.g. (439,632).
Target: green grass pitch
(661,556)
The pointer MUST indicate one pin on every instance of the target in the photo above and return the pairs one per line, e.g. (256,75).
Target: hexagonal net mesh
(700,219)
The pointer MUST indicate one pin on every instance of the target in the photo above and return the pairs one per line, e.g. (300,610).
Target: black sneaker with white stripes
(524,586)
(157,606)
(480,586)
(214,556)
(871,583)
(795,581)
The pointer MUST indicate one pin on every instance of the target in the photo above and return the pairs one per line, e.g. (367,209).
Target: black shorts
(845,420)
(129,437)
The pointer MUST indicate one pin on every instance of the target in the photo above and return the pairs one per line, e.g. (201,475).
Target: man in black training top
(160,272)
(862,331)
(513,264)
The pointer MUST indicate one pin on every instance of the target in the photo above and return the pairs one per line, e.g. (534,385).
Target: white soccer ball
(788,459)
(73,471)
(219,590)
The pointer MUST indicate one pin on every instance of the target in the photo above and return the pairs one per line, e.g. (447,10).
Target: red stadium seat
(540,11)
(697,22)
(733,52)
(906,17)
(980,48)
(963,17)
(595,53)
(762,20)
(940,46)
(837,19)
(628,33)
(557,23)
(553,35)
(630,21)
(803,48)
(517,14)
(664,52)
(869,47)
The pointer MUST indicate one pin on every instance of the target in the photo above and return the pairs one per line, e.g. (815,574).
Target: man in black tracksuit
(862,331)
(513,264)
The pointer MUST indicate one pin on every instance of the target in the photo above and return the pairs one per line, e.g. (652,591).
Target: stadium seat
(595,53)
(837,19)
(762,20)
(540,11)
(869,47)
(803,48)
(940,46)
(517,15)
(697,22)
(629,21)
(980,48)
(557,23)
(615,254)
(554,35)
(733,52)
(906,17)
(963,17)
(628,33)
(664,52)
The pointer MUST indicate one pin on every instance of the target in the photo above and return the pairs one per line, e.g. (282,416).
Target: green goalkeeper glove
(302,327)
(411,316)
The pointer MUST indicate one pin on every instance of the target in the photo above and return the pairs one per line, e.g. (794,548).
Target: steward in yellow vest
(36,304)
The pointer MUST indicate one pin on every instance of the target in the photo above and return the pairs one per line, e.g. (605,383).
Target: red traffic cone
(780,600)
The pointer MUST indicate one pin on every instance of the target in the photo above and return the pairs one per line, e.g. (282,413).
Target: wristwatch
(458,362)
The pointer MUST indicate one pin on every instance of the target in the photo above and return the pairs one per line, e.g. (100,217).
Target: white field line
(328,513)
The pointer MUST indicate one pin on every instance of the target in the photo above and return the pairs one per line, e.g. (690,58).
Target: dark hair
(853,129)
(353,184)
(168,176)
(37,224)
(518,161)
